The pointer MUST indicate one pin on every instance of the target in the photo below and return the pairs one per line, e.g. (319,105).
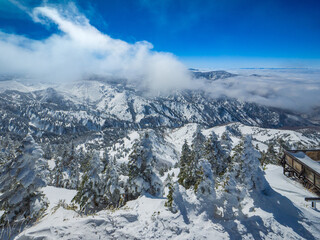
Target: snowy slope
(285,216)
(167,144)
(112,117)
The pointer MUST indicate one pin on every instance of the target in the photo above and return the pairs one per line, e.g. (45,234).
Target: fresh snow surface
(283,215)
(55,194)
(51,164)
(21,86)
(301,156)
(289,188)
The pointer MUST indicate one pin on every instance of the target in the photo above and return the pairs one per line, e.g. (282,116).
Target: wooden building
(303,164)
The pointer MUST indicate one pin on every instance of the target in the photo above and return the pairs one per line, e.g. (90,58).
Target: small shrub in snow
(63,204)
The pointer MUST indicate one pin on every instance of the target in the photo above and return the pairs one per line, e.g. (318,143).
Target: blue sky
(202,33)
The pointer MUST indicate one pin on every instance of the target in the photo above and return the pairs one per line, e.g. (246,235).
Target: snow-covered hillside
(277,212)
(168,144)
(284,215)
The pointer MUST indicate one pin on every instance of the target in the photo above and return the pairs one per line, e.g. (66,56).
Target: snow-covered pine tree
(205,183)
(185,176)
(190,173)
(230,197)
(113,190)
(90,192)
(205,188)
(283,145)
(71,168)
(57,173)
(169,184)
(84,159)
(142,178)
(244,177)
(47,151)
(234,130)
(270,156)
(105,160)
(66,171)
(226,143)
(198,140)
(191,168)
(251,173)
(215,154)
(20,182)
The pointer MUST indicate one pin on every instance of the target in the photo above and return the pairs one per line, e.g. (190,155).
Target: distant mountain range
(213,75)
(96,104)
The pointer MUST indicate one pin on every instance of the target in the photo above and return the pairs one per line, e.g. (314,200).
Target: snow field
(281,214)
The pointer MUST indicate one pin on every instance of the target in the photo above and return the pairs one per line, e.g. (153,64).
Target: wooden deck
(304,165)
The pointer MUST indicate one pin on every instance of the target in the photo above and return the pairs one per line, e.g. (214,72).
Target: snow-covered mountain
(120,162)
(97,105)
(213,75)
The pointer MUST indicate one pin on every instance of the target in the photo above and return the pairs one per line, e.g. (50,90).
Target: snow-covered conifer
(270,156)
(215,154)
(251,172)
(66,171)
(105,160)
(47,151)
(187,176)
(191,168)
(226,143)
(234,130)
(185,158)
(243,178)
(20,182)
(57,173)
(113,191)
(205,183)
(142,178)
(197,143)
(90,193)
(230,198)
(170,187)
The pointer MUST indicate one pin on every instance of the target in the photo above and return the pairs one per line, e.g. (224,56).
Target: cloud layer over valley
(295,89)
(79,50)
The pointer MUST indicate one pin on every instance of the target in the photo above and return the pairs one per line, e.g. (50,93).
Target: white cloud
(81,50)
(296,89)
